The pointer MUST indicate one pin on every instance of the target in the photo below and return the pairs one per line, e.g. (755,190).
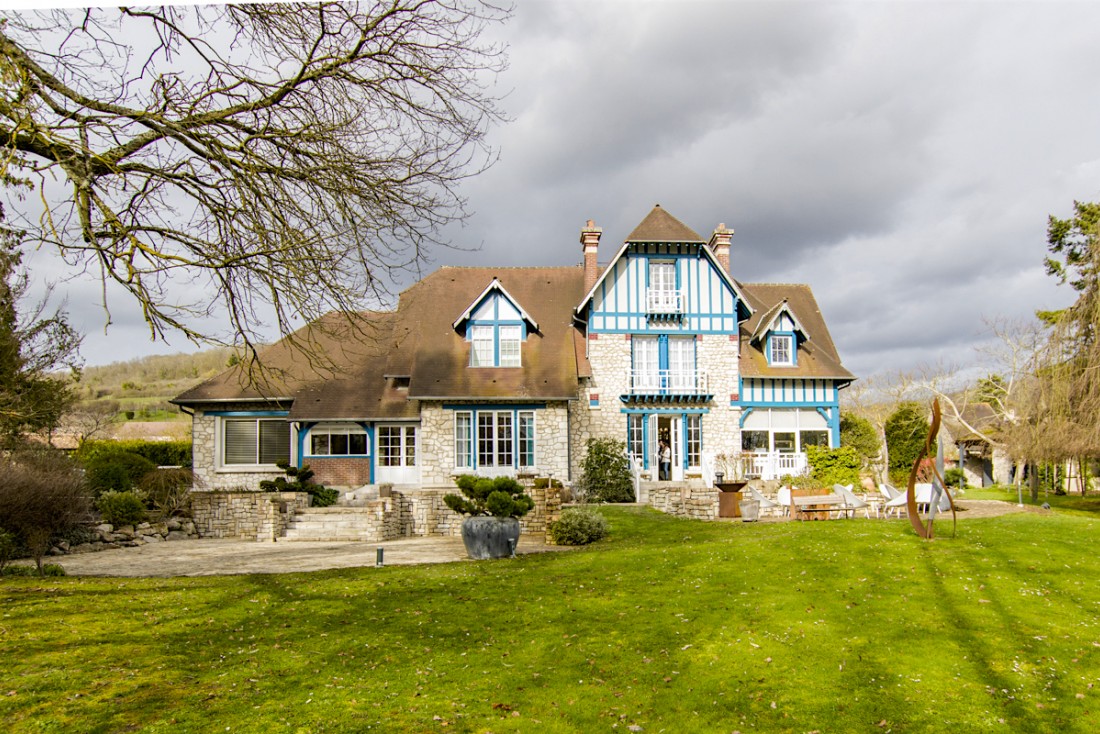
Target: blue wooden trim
(248,413)
(745,413)
(787,404)
(303,431)
(491,406)
(666,411)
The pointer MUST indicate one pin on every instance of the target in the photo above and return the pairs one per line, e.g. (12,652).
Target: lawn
(669,625)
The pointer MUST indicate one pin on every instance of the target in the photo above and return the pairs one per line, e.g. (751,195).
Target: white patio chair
(783,497)
(851,501)
(765,503)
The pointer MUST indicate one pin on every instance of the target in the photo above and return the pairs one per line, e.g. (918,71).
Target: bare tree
(283,159)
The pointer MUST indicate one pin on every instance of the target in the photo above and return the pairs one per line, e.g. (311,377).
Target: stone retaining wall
(127,536)
(696,502)
(247,515)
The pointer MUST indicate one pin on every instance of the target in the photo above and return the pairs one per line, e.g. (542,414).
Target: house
(511,370)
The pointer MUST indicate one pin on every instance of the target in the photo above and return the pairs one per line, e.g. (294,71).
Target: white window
(695,440)
(338,441)
(781,349)
(681,363)
(635,435)
(397,446)
(481,351)
(647,373)
(255,441)
(464,440)
(510,337)
(526,439)
(662,277)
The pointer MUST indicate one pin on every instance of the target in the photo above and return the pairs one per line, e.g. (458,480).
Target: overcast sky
(902,159)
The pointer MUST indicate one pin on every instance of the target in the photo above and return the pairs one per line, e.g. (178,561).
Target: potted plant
(493,508)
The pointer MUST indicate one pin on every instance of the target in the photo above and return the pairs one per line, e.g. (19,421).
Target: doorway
(668,429)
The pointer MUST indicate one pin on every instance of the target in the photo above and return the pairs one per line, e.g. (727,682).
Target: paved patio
(229,557)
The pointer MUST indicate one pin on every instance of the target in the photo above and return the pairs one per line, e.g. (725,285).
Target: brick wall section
(696,502)
(245,515)
(340,471)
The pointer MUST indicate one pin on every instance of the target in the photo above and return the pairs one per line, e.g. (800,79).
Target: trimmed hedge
(161,453)
(578,526)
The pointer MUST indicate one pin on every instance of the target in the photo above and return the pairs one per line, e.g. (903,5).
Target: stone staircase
(336,523)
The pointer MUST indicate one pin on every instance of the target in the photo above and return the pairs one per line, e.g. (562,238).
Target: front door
(397,454)
(669,431)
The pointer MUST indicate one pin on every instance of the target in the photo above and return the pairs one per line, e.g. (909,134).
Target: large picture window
(495,439)
(338,441)
(255,441)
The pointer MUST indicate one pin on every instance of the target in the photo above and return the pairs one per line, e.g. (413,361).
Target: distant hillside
(144,386)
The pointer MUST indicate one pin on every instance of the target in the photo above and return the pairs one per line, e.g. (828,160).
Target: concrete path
(229,557)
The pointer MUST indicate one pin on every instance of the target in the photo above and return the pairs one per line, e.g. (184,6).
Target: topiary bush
(300,479)
(605,472)
(578,526)
(499,497)
(121,508)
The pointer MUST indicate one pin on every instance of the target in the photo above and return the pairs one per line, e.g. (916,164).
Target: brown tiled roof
(817,357)
(660,226)
(436,357)
(418,342)
(328,349)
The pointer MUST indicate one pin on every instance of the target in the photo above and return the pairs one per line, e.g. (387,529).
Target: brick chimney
(720,243)
(590,242)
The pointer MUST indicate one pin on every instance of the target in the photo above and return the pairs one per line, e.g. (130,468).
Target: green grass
(669,625)
(1071,502)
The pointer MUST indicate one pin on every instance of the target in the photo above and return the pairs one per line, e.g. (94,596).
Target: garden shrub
(300,479)
(121,508)
(605,472)
(544,482)
(954,477)
(906,431)
(161,453)
(499,497)
(7,548)
(48,569)
(578,526)
(42,496)
(834,466)
(115,470)
(168,491)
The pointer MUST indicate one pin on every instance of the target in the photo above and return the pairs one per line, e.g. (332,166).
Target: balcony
(662,302)
(668,386)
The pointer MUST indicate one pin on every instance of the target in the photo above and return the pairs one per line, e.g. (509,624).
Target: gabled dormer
(664,279)
(496,326)
(779,334)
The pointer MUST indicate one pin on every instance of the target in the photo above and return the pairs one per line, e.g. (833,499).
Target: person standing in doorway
(665,459)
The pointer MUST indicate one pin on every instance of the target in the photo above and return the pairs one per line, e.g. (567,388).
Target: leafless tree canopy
(283,158)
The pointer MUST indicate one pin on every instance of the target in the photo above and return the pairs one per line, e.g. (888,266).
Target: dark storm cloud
(901,160)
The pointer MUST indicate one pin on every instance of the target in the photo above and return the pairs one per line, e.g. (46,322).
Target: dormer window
(496,327)
(781,349)
(496,345)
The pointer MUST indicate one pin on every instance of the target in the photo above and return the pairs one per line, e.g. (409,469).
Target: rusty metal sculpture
(923,529)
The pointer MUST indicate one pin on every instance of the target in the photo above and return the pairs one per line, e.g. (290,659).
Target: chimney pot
(720,244)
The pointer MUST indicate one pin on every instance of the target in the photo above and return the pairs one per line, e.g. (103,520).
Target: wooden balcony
(664,302)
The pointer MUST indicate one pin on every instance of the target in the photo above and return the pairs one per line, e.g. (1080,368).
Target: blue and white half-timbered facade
(507,371)
(681,353)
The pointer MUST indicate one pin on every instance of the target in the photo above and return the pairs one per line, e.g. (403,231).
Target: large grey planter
(750,510)
(488,537)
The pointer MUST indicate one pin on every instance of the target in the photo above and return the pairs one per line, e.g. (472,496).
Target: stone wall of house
(693,501)
(204,447)
(340,471)
(245,515)
(610,357)
(437,447)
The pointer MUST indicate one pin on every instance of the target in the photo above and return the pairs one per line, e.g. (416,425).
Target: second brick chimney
(590,243)
(720,243)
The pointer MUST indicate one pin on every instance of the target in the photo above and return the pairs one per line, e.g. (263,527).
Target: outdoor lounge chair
(765,503)
(851,501)
(783,497)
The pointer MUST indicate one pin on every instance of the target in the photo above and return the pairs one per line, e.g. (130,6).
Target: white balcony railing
(774,464)
(661,301)
(668,382)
